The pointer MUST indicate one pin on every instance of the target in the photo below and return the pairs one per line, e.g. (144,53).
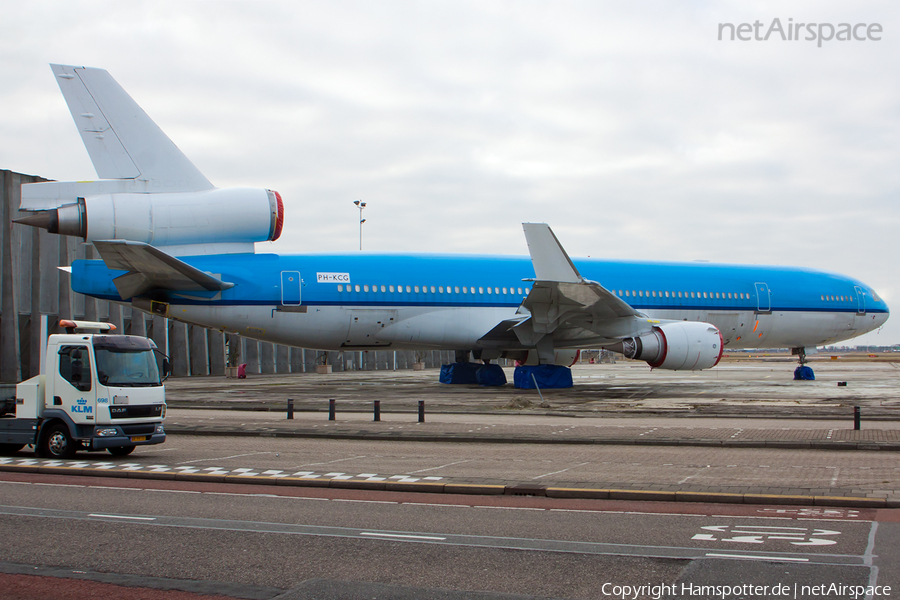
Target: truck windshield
(125,361)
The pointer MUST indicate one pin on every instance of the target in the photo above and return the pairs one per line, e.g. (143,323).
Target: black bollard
(331,410)
(378,410)
(421,411)
(290,408)
(857,419)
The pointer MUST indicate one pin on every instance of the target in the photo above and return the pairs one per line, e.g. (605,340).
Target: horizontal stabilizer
(150,269)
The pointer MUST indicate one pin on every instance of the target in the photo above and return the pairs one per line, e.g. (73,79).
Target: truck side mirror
(166,368)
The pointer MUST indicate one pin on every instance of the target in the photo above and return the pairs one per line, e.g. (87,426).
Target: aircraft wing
(559,293)
(150,268)
(122,141)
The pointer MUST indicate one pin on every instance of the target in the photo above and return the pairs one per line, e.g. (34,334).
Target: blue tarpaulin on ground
(459,373)
(547,376)
(490,375)
(804,373)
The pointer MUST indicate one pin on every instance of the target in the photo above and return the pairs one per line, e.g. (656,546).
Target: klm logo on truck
(81,406)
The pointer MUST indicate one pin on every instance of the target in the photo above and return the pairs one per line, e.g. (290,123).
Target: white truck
(98,391)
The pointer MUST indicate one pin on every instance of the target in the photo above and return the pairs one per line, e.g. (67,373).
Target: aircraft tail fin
(122,141)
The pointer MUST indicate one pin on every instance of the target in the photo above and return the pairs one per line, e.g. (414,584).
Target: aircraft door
(860,300)
(290,288)
(763,301)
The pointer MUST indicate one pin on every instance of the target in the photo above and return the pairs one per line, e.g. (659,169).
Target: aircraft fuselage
(397,301)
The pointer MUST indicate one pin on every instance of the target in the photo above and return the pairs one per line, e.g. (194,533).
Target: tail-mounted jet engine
(234,215)
(676,346)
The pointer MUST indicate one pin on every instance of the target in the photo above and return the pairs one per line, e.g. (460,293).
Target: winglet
(551,263)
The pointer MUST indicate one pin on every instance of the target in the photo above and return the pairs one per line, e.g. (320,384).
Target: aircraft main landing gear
(802,372)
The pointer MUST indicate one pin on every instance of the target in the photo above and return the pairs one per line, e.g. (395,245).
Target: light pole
(360,205)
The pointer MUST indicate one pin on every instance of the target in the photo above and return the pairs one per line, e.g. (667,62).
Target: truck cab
(99,391)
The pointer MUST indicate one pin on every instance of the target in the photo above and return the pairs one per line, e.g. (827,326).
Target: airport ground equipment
(98,391)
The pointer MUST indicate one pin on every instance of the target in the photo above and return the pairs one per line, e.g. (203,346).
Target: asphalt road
(257,538)
(68,536)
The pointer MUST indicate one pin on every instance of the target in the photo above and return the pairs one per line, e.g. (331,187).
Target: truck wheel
(57,443)
(7,449)
(121,450)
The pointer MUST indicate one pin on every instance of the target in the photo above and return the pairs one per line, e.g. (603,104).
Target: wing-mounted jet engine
(679,345)
(148,189)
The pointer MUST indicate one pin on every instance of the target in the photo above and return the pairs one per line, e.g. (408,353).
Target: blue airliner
(174,245)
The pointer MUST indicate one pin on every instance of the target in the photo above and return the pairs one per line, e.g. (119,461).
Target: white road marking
(775,558)
(750,517)
(408,537)
(365,501)
(508,507)
(187,462)
(459,462)
(245,495)
(562,471)
(329,462)
(122,517)
(749,534)
(60,485)
(694,475)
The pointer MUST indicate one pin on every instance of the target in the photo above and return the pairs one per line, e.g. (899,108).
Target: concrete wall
(33,286)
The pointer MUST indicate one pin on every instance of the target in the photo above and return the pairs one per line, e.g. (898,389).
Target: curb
(468,439)
(524,489)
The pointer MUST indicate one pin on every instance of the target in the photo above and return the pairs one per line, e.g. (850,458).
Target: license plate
(139,438)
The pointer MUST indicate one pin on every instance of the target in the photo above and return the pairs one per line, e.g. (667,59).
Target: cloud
(629,127)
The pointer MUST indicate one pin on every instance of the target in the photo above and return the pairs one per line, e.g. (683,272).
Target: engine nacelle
(235,215)
(678,346)
(561,358)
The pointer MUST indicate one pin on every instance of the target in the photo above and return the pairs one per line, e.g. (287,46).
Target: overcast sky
(629,127)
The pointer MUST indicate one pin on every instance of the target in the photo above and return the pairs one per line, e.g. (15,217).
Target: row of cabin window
(434,289)
(521,291)
(655,294)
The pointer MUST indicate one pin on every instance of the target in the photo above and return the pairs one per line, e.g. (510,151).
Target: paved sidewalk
(745,484)
(444,427)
